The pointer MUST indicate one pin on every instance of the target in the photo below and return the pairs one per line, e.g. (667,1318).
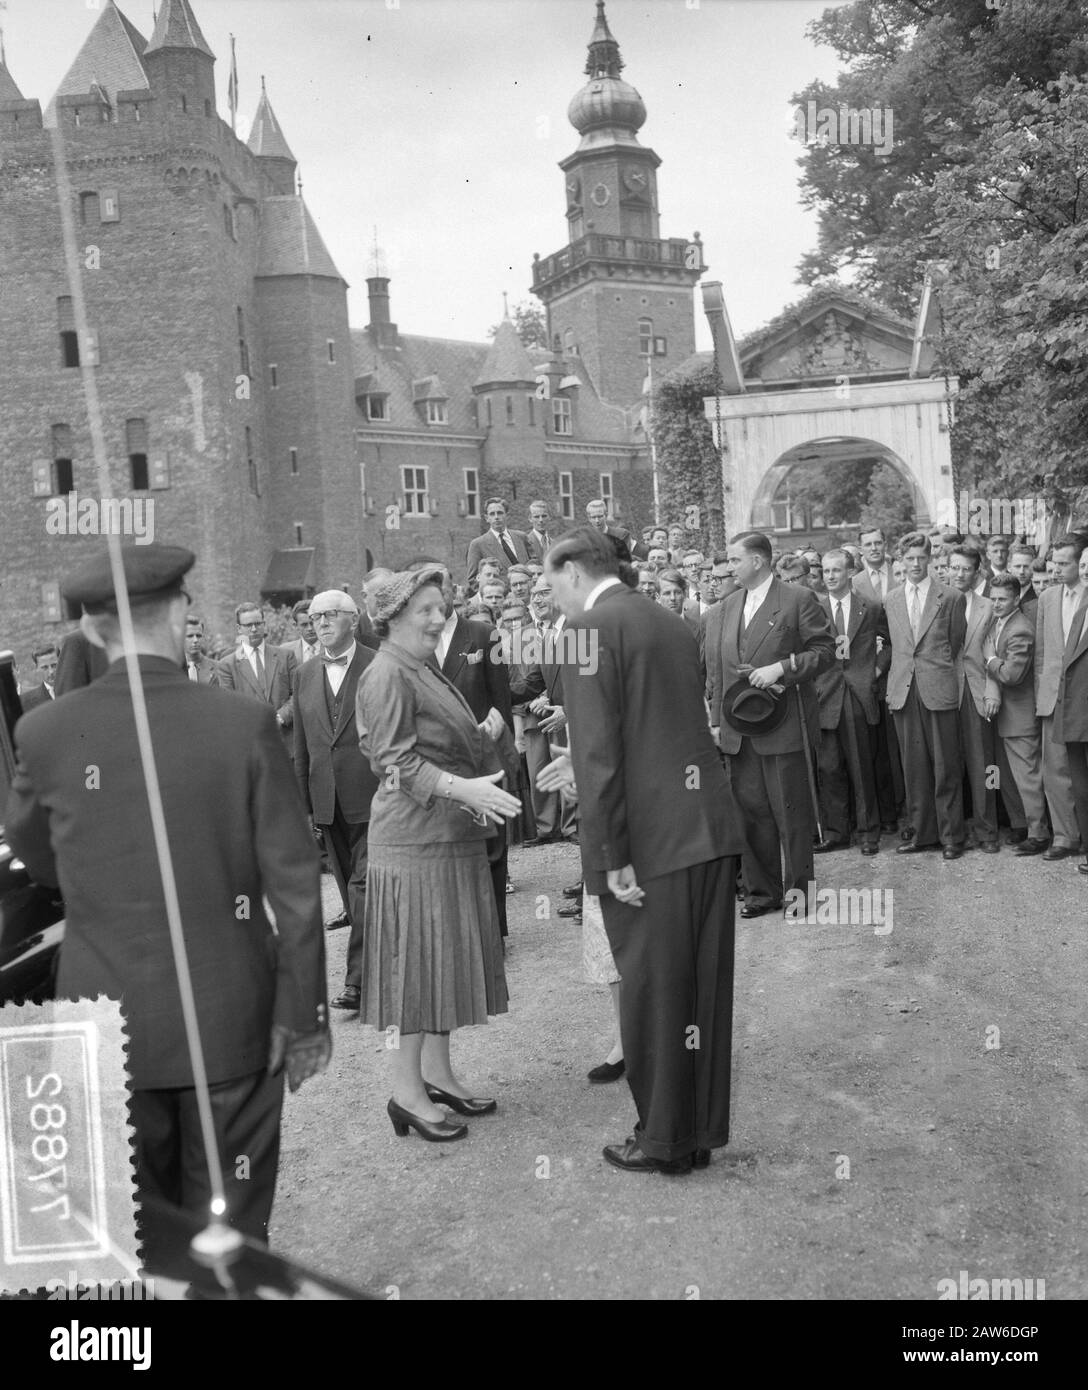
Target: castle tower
(110,61)
(267,143)
(617,293)
(507,408)
(8,89)
(179,62)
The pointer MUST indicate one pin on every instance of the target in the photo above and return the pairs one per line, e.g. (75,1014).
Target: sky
(440,124)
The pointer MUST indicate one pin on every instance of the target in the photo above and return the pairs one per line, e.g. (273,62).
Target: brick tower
(617,293)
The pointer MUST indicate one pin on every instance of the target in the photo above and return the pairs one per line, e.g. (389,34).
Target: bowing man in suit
(927,625)
(237,834)
(469,656)
(538,540)
(597,516)
(1071,709)
(80,663)
(497,543)
(45,664)
(1009,649)
(980,699)
(1055,618)
(257,669)
(769,633)
(849,713)
(199,667)
(334,778)
(659,839)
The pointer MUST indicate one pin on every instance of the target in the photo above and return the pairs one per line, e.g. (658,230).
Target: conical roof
(8,90)
(507,360)
(265,135)
(176,27)
(111,58)
(290,242)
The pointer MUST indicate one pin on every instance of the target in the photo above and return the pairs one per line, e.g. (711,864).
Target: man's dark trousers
(346,846)
(932,771)
(676,1005)
(775,797)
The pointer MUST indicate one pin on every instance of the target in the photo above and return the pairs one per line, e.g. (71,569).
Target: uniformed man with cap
(79,817)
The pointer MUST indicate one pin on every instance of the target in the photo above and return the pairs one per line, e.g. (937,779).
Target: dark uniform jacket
(78,817)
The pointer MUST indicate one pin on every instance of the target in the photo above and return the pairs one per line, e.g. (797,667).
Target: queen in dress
(432,954)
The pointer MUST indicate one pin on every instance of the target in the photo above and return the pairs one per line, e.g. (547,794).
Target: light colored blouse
(415,726)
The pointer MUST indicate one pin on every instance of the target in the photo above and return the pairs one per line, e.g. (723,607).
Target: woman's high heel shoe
(463,1105)
(437,1131)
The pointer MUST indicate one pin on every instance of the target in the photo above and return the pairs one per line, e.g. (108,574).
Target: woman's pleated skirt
(432,953)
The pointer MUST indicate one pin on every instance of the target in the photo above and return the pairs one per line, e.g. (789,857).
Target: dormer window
(436,413)
(377,406)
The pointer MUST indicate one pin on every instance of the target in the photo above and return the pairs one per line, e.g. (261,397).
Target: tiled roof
(290,242)
(393,371)
(8,90)
(176,27)
(265,135)
(507,361)
(111,57)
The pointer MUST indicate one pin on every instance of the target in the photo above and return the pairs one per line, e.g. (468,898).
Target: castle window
(415,491)
(243,349)
(557,343)
(136,448)
(273,379)
(566,496)
(562,422)
(69,338)
(298,532)
(436,413)
(331,344)
(661,347)
(229,224)
(89,209)
(645,336)
(207,107)
(63,467)
(294,461)
(251,463)
(568,341)
(509,410)
(184,104)
(472,492)
(487,411)
(605,492)
(51,609)
(532,409)
(377,407)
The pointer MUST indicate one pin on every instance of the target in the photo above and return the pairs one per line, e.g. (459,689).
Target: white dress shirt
(845,603)
(754,602)
(878,578)
(445,639)
(598,589)
(251,655)
(337,668)
(1070,599)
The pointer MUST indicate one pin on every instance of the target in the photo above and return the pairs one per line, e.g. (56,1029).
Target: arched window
(645,336)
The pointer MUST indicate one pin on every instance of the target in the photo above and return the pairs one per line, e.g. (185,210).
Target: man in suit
(305,647)
(334,778)
(538,540)
(257,669)
(497,543)
(1021,559)
(555,816)
(997,555)
(659,840)
(237,837)
(1055,618)
(468,656)
(768,633)
(1071,708)
(198,665)
(849,713)
(80,663)
(45,664)
(980,699)
(927,624)
(597,516)
(1009,650)
(874,580)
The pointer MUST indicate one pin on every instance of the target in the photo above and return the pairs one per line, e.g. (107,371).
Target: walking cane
(808,766)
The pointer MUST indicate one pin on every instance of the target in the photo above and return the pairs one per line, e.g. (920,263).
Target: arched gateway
(834,379)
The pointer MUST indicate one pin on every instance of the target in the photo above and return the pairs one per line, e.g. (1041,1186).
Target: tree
(531,325)
(888,503)
(689,466)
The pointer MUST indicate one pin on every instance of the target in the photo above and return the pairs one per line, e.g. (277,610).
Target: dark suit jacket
(237,832)
(863,666)
(328,762)
(487,547)
(207,670)
(652,792)
(861,583)
(37,695)
(538,549)
(790,620)
(930,660)
(1071,706)
(473,667)
(80,663)
(638,550)
(1012,668)
(235,673)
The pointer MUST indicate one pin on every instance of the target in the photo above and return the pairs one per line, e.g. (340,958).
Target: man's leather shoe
(989,847)
(1083,868)
(539,840)
(350,999)
(574,890)
(608,1071)
(343,920)
(574,910)
(700,1158)
(1031,847)
(952,852)
(913,847)
(826,846)
(630,1157)
(868,850)
(1057,852)
(759,909)
(1016,837)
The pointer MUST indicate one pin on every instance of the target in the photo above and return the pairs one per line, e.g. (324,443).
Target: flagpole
(232,86)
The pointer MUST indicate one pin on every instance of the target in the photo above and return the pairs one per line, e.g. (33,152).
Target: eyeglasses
(327,617)
(258,623)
